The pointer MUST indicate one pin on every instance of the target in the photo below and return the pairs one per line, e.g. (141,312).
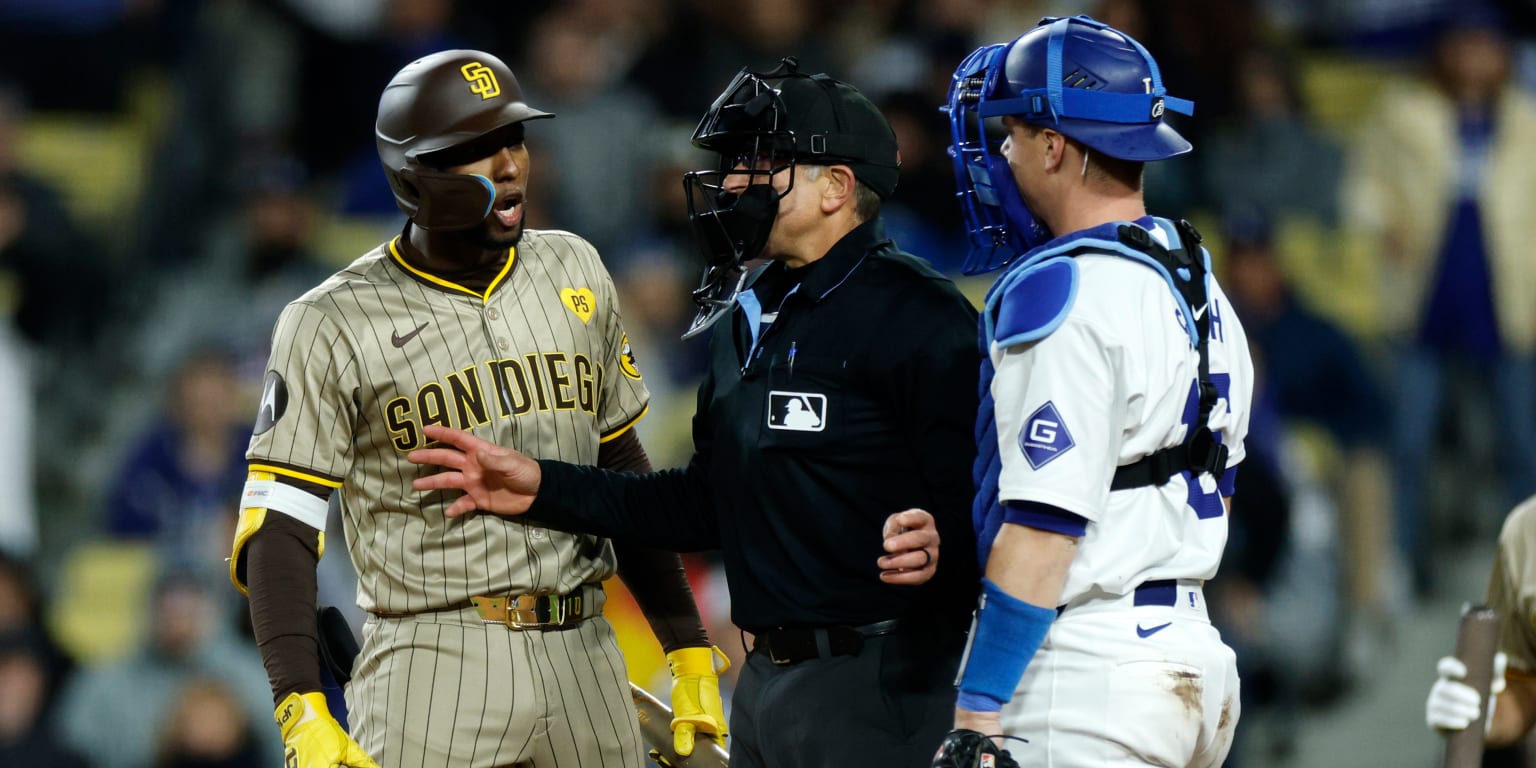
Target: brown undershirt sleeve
(656,578)
(281,580)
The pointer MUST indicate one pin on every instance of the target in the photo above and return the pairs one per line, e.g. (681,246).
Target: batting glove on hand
(696,704)
(1453,705)
(313,739)
(964,748)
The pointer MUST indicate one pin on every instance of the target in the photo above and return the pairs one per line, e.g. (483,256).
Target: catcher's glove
(971,749)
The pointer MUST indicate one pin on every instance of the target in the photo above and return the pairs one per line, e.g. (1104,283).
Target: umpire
(841,391)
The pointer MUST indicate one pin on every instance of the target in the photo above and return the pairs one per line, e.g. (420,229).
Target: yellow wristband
(697,661)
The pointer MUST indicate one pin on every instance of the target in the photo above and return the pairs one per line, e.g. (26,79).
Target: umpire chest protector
(1034,297)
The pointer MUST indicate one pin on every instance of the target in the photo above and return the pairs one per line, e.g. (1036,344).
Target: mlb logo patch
(988,760)
(1045,436)
(797,411)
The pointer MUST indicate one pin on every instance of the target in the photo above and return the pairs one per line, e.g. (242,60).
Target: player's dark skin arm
(655,577)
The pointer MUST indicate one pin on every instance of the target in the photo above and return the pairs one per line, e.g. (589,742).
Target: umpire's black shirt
(857,400)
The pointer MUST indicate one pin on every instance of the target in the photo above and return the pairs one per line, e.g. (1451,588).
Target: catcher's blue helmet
(1073,74)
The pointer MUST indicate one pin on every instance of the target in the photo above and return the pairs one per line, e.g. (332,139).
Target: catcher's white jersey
(1114,383)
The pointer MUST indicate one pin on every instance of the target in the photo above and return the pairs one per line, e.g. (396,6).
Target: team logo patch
(797,411)
(1045,436)
(481,80)
(579,300)
(274,401)
(627,359)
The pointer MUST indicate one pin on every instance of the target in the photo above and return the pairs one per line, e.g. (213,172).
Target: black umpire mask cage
(732,208)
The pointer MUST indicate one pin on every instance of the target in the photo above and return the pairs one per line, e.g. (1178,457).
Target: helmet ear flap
(443,201)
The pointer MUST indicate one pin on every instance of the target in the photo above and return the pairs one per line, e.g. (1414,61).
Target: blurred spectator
(25,693)
(52,276)
(673,68)
(656,270)
(207,729)
(18,512)
(333,125)
(1258,537)
(253,263)
(176,485)
(110,713)
(1314,374)
(921,215)
(21,612)
(102,41)
(1442,186)
(1269,156)
(598,154)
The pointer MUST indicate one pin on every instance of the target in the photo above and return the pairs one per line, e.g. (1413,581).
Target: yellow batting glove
(696,705)
(313,739)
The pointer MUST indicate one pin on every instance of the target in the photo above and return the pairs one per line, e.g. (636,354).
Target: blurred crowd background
(172,172)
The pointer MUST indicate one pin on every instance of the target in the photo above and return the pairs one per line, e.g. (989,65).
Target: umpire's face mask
(732,207)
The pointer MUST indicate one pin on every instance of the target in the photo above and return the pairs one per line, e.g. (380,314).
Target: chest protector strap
(1200,452)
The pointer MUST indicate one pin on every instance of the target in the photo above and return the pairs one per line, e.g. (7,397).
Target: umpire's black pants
(889,706)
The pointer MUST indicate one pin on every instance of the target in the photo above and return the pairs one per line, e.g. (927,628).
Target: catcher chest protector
(1048,277)
(1201,451)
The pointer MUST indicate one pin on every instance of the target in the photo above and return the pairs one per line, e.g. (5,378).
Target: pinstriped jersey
(1512,587)
(539,362)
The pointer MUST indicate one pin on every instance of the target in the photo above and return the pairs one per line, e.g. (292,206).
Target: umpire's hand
(912,547)
(493,478)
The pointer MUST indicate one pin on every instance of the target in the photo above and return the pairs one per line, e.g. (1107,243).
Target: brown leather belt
(542,612)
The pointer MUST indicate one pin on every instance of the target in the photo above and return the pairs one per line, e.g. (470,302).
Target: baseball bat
(1477,638)
(656,729)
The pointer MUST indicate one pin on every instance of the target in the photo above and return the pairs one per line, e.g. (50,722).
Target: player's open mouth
(509,210)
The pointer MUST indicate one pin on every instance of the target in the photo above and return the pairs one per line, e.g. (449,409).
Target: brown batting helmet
(435,104)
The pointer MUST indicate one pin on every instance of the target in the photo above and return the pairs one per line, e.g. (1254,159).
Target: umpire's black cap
(836,124)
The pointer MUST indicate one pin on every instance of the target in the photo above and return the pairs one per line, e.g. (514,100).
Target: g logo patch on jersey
(274,401)
(627,359)
(1044,437)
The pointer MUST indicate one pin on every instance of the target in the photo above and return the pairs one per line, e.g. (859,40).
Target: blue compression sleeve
(1004,638)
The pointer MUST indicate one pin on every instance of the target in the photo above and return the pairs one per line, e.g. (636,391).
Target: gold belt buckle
(523,611)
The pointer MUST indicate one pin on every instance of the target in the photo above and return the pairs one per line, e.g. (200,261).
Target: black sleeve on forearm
(667,510)
(283,593)
(655,577)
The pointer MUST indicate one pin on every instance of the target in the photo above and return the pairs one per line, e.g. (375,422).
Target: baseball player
(1452,704)
(1115,400)
(486,644)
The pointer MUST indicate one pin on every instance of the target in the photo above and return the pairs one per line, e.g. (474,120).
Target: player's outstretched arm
(493,478)
(912,547)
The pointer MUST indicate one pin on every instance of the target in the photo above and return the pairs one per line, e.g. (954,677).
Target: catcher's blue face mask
(1075,75)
